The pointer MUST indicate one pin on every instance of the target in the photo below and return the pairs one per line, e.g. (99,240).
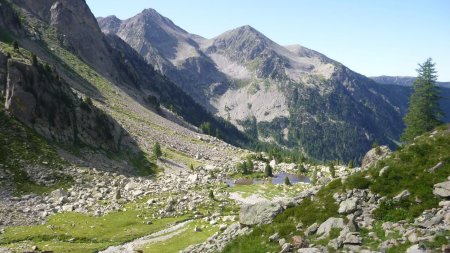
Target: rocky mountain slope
(398,202)
(290,95)
(399,90)
(402,80)
(80,114)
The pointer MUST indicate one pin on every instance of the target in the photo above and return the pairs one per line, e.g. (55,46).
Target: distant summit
(402,80)
(293,96)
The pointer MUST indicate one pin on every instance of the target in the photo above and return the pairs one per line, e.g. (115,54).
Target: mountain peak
(245,29)
(109,24)
(151,12)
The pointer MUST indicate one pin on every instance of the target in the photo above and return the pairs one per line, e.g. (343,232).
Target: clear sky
(372,37)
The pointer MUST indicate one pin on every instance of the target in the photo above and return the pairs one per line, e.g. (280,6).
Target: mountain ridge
(268,90)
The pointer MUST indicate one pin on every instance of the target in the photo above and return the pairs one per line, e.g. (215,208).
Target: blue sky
(372,37)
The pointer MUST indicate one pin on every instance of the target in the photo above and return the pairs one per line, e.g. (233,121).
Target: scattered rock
(286,248)
(347,206)
(299,242)
(402,195)
(353,238)
(259,213)
(374,155)
(383,171)
(197,229)
(415,249)
(437,166)
(325,228)
(309,250)
(311,229)
(442,189)
(274,238)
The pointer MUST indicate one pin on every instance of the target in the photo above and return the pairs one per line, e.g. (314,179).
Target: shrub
(157,150)
(357,181)
(268,170)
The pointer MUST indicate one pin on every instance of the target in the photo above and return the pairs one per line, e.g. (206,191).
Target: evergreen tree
(424,112)
(350,164)
(249,165)
(34,60)
(157,150)
(242,167)
(211,194)
(332,170)
(287,181)
(15,45)
(268,170)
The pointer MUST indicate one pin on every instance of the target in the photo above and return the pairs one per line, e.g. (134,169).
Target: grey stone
(259,213)
(442,189)
(415,249)
(436,167)
(311,229)
(374,155)
(286,248)
(325,228)
(274,238)
(402,195)
(353,238)
(347,206)
(309,250)
(383,171)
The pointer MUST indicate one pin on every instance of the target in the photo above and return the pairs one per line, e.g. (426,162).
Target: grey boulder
(259,213)
(325,228)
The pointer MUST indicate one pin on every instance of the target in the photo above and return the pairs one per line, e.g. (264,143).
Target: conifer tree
(157,150)
(424,112)
(268,170)
(287,181)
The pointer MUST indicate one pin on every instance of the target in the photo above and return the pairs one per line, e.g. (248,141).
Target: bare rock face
(78,28)
(374,155)
(36,96)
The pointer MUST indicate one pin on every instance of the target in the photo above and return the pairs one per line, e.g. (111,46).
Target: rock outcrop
(36,95)
(374,155)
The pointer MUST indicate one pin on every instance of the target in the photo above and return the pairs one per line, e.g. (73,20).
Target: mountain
(113,59)
(400,89)
(82,115)
(402,80)
(289,95)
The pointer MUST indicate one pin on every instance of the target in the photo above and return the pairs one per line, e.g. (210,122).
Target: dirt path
(159,236)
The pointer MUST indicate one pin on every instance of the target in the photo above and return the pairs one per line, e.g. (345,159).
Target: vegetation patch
(308,212)
(184,239)
(408,169)
(20,147)
(70,232)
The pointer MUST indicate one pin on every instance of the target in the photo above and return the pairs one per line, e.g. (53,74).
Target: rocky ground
(179,191)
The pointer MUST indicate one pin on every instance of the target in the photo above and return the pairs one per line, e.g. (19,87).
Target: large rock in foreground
(259,213)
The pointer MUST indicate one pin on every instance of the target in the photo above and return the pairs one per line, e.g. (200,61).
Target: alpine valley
(138,136)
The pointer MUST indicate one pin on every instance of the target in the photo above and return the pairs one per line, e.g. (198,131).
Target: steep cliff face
(36,96)
(77,28)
